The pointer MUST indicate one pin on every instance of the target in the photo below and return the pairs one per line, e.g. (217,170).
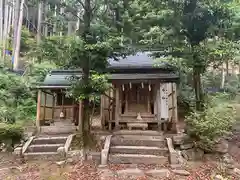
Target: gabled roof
(59,78)
(140,60)
(139,66)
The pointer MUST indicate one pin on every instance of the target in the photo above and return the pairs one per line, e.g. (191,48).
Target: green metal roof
(59,78)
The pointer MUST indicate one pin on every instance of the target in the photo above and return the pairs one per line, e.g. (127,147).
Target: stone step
(136,140)
(43,156)
(137,159)
(139,150)
(58,129)
(50,140)
(138,132)
(44,147)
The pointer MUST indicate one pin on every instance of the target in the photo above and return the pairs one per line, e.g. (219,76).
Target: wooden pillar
(159,105)
(53,106)
(44,106)
(126,101)
(102,112)
(174,105)
(80,114)
(148,101)
(117,107)
(155,100)
(111,105)
(38,111)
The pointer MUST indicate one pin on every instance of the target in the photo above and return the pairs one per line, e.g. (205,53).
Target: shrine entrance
(137,98)
(144,105)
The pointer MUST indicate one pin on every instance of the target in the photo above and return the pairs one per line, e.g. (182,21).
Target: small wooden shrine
(143,95)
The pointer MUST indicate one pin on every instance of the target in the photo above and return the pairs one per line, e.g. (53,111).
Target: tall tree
(181,29)
(16,21)
(39,25)
(18,41)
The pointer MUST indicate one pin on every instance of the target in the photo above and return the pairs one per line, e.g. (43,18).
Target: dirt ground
(12,169)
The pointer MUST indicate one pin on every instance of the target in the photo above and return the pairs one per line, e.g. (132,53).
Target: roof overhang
(52,87)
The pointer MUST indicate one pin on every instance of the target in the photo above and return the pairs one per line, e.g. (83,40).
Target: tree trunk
(227,68)
(86,70)
(6,7)
(45,19)
(198,89)
(1,23)
(16,18)
(39,27)
(69,32)
(9,21)
(17,49)
(55,22)
(223,78)
(61,12)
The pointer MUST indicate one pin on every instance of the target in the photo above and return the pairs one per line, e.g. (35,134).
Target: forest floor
(13,169)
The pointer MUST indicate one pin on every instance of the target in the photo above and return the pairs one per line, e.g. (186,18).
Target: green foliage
(74,52)
(214,80)
(28,41)
(97,85)
(36,72)
(185,30)
(16,99)
(10,134)
(214,122)
(53,49)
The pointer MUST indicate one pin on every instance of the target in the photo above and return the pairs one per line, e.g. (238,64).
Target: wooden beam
(174,103)
(159,105)
(47,92)
(155,100)
(126,102)
(111,104)
(53,107)
(80,114)
(117,107)
(148,101)
(38,111)
(102,112)
(44,107)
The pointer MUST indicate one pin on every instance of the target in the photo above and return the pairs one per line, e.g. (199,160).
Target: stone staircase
(138,148)
(45,146)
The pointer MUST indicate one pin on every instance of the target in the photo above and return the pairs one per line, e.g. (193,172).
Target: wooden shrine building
(143,95)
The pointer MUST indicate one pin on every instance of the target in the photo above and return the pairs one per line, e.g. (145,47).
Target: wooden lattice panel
(138,98)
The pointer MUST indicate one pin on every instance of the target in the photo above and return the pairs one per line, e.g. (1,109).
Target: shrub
(16,99)
(10,134)
(213,123)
